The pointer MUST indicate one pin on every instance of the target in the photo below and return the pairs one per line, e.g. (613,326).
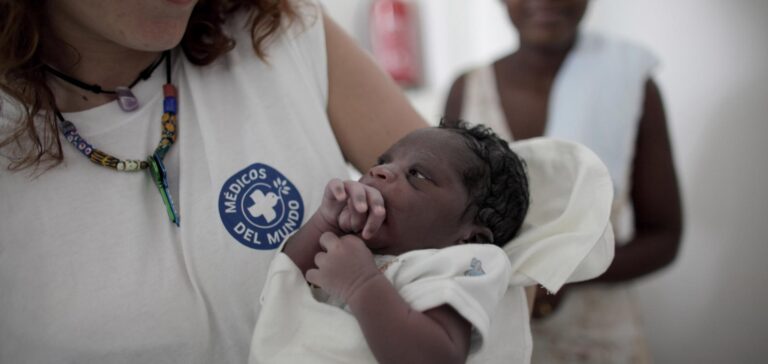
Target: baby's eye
(415,173)
(380,161)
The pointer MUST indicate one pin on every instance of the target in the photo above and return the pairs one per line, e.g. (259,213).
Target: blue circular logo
(260,207)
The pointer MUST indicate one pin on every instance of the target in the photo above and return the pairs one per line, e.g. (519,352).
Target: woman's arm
(655,196)
(656,200)
(368,112)
(455,100)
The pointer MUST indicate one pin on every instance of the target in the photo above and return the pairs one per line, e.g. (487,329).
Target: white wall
(456,34)
(711,306)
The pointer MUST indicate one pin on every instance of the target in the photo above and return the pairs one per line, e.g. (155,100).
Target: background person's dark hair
(498,188)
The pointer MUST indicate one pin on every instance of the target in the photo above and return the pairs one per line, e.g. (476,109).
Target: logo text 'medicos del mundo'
(260,207)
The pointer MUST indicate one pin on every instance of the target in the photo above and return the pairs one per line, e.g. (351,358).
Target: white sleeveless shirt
(596,100)
(91,268)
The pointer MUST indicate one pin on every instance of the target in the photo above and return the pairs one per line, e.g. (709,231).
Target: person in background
(565,83)
(155,154)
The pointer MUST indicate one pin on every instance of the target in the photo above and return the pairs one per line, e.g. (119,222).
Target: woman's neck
(540,61)
(92,61)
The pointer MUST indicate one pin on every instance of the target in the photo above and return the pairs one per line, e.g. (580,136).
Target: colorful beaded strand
(153,163)
(167,137)
(96,155)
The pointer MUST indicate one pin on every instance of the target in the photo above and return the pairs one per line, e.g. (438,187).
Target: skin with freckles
(140,25)
(107,42)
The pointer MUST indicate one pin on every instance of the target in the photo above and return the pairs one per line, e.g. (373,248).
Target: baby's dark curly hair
(498,187)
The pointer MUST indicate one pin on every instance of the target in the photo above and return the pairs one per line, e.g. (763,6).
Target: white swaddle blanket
(297,328)
(568,220)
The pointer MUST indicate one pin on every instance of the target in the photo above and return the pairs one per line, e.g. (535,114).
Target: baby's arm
(394,331)
(347,207)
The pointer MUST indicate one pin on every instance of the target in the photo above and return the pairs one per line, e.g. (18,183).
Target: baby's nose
(382,172)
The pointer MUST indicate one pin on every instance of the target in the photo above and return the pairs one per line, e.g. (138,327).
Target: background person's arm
(656,202)
(655,197)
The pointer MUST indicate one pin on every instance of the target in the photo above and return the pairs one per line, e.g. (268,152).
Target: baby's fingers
(358,201)
(335,190)
(345,220)
(355,219)
(376,213)
(313,276)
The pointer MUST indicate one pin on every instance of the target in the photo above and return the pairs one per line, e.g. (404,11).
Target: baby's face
(420,178)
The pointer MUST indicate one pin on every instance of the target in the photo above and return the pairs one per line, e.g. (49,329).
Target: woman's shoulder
(304,20)
(300,38)
(296,49)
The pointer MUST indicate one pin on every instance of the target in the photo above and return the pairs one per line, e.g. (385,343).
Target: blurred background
(710,305)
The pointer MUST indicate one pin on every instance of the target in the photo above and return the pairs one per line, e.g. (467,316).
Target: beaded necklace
(154,162)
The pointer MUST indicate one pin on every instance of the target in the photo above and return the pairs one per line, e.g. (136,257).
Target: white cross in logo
(263,205)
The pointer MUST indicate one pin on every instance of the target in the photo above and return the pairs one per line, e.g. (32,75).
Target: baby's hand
(344,266)
(353,207)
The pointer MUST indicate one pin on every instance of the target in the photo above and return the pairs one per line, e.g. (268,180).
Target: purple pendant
(125,99)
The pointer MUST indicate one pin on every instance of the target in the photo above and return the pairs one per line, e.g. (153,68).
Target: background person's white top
(91,269)
(596,100)
(294,327)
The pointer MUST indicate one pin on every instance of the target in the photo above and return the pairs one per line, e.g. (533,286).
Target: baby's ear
(478,235)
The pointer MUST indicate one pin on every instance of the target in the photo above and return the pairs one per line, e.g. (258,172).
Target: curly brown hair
(23,79)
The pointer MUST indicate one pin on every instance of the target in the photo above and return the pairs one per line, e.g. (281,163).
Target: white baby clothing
(294,327)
